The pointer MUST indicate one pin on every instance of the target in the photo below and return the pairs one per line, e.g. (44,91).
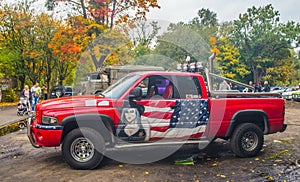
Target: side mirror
(136,93)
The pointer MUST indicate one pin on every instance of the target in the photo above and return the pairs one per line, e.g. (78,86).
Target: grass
(10,128)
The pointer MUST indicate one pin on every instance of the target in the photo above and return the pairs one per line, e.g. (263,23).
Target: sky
(185,10)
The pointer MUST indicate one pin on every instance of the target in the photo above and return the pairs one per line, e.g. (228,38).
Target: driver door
(183,114)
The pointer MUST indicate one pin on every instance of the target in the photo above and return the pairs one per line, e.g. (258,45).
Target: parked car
(278,90)
(287,94)
(296,95)
(61,91)
(70,91)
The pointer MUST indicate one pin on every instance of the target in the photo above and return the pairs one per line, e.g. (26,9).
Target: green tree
(143,36)
(263,41)
(188,39)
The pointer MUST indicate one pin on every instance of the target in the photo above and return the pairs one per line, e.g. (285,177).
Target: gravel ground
(278,161)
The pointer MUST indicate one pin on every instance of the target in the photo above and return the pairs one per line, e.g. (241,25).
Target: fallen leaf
(214,165)
(270,178)
(121,165)
(146,172)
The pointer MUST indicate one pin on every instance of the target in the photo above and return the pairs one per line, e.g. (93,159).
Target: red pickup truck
(152,109)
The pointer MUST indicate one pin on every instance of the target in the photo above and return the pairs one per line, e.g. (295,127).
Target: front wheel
(83,148)
(247,140)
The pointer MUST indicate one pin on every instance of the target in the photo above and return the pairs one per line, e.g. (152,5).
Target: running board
(157,144)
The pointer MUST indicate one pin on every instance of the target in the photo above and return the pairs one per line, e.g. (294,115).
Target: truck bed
(236,94)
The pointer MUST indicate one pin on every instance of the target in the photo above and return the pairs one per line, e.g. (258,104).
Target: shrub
(9,96)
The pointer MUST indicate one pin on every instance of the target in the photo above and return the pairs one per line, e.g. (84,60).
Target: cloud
(186,10)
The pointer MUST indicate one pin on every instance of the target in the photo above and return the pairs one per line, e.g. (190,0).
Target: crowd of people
(34,94)
(256,87)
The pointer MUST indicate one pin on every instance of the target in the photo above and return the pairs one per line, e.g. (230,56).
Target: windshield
(116,90)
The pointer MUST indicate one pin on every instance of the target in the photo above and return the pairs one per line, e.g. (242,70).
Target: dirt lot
(278,161)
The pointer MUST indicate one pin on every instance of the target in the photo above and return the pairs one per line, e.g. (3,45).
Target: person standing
(36,91)
(266,87)
(258,87)
(45,92)
(224,86)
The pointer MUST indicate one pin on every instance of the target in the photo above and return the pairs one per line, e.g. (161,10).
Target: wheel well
(256,117)
(104,126)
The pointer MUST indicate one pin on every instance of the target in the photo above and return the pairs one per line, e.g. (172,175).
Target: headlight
(49,120)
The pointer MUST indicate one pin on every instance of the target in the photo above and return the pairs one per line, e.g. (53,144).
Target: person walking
(36,91)
(26,93)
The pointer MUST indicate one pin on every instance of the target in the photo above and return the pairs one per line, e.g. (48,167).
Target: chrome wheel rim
(82,149)
(249,141)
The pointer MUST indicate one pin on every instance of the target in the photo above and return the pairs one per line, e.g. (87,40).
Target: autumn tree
(45,28)
(111,47)
(67,46)
(17,29)
(110,12)
(229,60)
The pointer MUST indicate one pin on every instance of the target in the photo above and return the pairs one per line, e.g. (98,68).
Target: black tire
(83,148)
(247,140)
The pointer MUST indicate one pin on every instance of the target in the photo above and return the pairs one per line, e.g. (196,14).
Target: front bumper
(287,97)
(43,135)
(296,97)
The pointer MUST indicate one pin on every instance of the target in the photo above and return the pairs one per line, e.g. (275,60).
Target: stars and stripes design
(175,119)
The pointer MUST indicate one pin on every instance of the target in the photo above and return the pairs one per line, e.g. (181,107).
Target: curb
(12,126)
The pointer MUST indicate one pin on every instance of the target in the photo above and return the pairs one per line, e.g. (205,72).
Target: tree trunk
(113,14)
(83,9)
(255,75)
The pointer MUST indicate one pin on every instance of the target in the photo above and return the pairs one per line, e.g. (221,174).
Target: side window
(187,87)
(157,87)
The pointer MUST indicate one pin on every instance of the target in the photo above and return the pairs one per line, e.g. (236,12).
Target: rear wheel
(83,148)
(247,140)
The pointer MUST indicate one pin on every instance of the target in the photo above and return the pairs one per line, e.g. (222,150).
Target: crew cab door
(171,107)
